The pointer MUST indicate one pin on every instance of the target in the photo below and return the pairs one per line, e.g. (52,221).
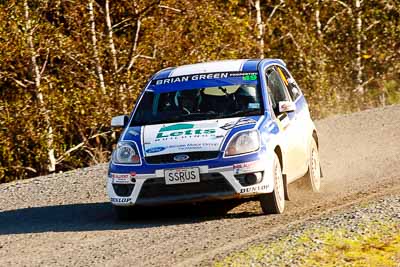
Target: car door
(287,123)
(300,122)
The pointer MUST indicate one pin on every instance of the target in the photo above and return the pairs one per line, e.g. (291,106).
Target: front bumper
(216,183)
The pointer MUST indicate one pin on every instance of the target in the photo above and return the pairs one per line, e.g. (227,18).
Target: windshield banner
(202,80)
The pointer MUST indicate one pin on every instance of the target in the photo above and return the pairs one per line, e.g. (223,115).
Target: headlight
(244,142)
(126,153)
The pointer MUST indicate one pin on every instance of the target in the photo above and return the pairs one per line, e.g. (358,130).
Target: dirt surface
(65,219)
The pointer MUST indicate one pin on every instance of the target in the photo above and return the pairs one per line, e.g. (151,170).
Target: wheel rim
(279,189)
(315,169)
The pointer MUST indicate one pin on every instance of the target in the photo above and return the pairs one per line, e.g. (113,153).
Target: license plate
(182,176)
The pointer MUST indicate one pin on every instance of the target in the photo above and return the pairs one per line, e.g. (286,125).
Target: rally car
(233,129)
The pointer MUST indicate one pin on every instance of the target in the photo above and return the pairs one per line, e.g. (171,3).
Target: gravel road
(65,219)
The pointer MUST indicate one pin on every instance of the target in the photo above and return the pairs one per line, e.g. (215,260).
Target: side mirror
(119,121)
(286,106)
(292,86)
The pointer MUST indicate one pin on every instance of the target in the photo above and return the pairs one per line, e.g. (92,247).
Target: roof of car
(245,65)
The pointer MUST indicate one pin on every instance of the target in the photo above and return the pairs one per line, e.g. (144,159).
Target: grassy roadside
(378,244)
(372,241)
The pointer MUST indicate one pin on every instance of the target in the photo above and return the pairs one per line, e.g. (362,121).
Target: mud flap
(286,187)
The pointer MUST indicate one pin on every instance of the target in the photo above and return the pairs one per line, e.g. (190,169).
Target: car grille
(193,156)
(209,183)
(123,190)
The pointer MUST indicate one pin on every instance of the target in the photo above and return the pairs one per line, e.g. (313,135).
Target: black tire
(123,213)
(312,179)
(274,202)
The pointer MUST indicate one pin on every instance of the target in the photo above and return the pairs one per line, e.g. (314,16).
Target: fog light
(253,178)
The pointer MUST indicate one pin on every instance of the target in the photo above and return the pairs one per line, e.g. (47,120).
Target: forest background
(68,66)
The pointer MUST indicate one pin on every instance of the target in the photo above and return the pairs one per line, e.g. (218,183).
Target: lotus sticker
(185,137)
(183,129)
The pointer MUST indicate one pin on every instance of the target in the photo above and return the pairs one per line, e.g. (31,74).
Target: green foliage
(378,245)
(392,88)
(171,33)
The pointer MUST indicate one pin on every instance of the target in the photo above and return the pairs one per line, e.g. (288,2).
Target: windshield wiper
(179,118)
(247,112)
(157,121)
(199,115)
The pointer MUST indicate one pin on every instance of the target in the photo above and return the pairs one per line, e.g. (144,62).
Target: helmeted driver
(188,100)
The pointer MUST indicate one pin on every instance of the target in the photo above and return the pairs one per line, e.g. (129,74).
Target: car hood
(183,137)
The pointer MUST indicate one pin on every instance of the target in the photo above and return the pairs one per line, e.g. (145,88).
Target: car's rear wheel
(312,179)
(123,213)
(274,202)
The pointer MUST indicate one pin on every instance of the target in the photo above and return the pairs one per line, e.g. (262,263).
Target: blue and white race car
(212,131)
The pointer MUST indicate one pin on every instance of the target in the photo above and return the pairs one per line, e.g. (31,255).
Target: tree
(359,67)
(37,74)
(99,68)
(260,30)
(67,67)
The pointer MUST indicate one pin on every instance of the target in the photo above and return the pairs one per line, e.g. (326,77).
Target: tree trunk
(317,20)
(359,67)
(99,70)
(324,92)
(39,94)
(320,56)
(110,37)
(260,32)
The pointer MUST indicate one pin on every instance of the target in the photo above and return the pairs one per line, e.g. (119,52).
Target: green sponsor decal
(177,127)
(250,77)
(182,129)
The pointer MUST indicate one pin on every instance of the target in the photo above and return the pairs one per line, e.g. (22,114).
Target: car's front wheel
(274,202)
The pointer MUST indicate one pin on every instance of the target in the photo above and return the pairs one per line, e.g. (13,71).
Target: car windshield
(190,98)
